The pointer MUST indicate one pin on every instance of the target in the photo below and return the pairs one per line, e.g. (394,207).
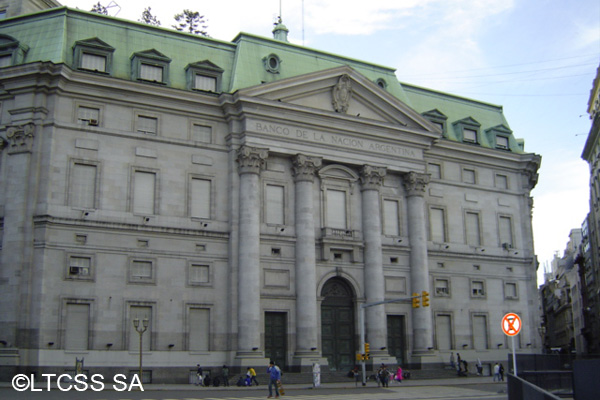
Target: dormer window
(438,119)
(381,83)
(204,76)
(502,142)
(93,55)
(272,63)
(150,66)
(467,130)
(11,51)
(469,135)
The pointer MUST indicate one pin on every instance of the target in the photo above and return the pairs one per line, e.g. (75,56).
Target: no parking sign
(511,324)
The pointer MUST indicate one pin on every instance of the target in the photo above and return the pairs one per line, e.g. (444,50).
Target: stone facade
(234,219)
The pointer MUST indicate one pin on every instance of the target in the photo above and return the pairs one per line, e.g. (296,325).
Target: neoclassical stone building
(246,198)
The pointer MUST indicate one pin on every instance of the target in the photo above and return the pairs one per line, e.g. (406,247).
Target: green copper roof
(51,35)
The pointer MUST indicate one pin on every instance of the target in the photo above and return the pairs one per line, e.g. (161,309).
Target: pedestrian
(252,373)
(452,360)
(199,378)
(399,376)
(225,375)
(274,379)
(458,359)
(501,372)
(479,367)
(316,375)
(496,372)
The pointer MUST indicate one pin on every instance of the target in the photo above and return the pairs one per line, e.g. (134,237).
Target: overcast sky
(536,58)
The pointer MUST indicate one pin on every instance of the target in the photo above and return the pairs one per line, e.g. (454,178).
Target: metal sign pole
(514,356)
(361,322)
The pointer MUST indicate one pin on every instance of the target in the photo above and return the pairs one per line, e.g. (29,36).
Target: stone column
(17,240)
(304,169)
(371,179)
(250,162)
(415,184)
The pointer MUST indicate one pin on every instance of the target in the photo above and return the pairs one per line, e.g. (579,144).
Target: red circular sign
(511,324)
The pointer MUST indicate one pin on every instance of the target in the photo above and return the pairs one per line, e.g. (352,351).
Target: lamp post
(140,330)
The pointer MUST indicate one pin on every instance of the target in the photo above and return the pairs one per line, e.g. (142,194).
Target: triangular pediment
(341,91)
(95,43)
(152,54)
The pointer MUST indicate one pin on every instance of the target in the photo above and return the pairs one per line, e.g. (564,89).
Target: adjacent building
(244,199)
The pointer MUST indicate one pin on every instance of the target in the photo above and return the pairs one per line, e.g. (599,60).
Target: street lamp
(140,329)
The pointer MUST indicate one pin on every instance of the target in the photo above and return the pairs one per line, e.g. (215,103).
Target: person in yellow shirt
(252,374)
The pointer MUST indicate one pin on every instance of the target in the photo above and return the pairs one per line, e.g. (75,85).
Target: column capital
(415,183)
(251,159)
(20,138)
(371,178)
(304,167)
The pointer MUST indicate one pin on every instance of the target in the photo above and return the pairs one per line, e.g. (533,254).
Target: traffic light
(425,298)
(367,351)
(415,300)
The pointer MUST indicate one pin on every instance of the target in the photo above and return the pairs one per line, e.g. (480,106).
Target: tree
(148,18)
(100,9)
(192,22)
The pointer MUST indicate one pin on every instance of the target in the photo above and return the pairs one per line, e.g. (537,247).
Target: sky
(536,58)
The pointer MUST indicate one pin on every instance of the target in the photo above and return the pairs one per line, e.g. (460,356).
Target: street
(477,391)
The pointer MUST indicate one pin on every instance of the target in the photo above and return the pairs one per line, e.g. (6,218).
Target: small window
(147,125)
(502,142)
(80,268)
(88,116)
(272,63)
(201,133)
(435,170)
(468,176)
(150,66)
(469,136)
(501,181)
(381,83)
(199,274)
(93,55)
(204,76)
(510,290)
(11,51)
(477,289)
(442,287)
(141,271)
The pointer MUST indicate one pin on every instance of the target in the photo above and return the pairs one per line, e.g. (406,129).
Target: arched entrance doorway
(337,324)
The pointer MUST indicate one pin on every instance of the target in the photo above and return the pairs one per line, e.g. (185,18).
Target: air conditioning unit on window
(506,246)
(93,122)
(81,271)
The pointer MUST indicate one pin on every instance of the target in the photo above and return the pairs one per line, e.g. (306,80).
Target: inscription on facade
(327,138)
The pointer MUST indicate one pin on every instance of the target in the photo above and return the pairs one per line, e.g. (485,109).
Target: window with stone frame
(437,225)
(200,197)
(472,228)
(147,125)
(391,217)
(199,274)
(93,55)
(88,115)
(442,287)
(201,133)
(144,192)
(142,271)
(511,291)
(150,66)
(204,76)
(83,185)
(12,52)
(274,203)
(478,288)
(80,267)
(435,170)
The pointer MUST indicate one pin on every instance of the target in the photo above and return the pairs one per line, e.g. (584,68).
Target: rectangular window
(147,125)
(141,271)
(152,73)
(274,212)
(473,229)
(77,326)
(143,315)
(502,142)
(93,62)
(435,170)
(88,116)
(468,175)
(477,289)
(199,329)
(144,186)
(82,191)
(437,225)
(480,332)
(336,209)
(510,290)
(200,198)
(80,267)
(443,331)
(201,133)
(391,218)
(199,274)
(206,83)
(506,236)
(501,181)
(442,287)
(470,135)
